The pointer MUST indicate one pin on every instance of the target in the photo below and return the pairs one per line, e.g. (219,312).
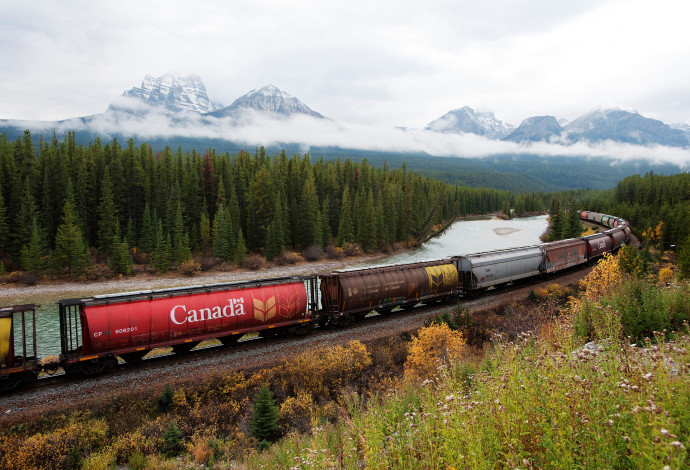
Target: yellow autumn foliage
(326,373)
(666,275)
(296,412)
(434,347)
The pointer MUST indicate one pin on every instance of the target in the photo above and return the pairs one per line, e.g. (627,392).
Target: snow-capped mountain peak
(467,120)
(269,99)
(174,93)
(608,105)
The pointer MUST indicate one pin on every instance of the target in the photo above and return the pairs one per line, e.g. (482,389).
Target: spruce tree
(326,234)
(273,240)
(558,222)
(107,215)
(33,253)
(345,231)
(24,222)
(264,423)
(367,226)
(180,240)
(162,254)
(573,222)
(147,237)
(241,251)
(205,233)
(222,235)
(71,251)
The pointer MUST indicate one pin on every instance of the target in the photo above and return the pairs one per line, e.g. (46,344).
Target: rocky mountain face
(268,99)
(535,129)
(467,120)
(683,127)
(623,125)
(172,93)
(607,122)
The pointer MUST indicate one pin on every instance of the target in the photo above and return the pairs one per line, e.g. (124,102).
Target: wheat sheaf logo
(445,276)
(264,311)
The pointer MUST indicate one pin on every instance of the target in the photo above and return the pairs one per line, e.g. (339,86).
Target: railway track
(58,391)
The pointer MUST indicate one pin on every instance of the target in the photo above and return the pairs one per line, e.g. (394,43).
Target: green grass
(535,403)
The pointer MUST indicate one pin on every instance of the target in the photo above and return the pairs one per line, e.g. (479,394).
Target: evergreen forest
(646,201)
(64,206)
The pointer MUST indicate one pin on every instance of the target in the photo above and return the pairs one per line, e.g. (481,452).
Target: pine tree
(326,234)
(367,226)
(241,251)
(222,235)
(264,423)
(309,207)
(558,222)
(573,222)
(147,237)
(107,211)
(24,222)
(205,233)
(345,231)
(162,254)
(71,251)
(180,240)
(32,254)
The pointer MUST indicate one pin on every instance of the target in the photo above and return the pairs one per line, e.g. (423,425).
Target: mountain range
(184,102)
(608,122)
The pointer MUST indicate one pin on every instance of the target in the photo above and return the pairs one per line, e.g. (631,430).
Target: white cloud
(256,129)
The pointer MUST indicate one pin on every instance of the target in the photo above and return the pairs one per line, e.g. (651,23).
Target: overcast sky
(388,63)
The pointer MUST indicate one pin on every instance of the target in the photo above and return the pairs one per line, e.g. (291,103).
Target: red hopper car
(95,330)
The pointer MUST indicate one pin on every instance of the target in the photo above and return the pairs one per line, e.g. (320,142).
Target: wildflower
(664,432)
(678,445)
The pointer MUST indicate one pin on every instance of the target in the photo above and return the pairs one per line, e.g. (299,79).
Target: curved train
(95,331)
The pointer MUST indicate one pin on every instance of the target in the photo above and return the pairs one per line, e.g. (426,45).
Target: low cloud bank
(255,129)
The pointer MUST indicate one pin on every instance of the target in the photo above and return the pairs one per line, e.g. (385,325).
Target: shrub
(334,252)
(254,262)
(434,347)
(136,462)
(29,279)
(208,263)
(352,249)
(190,267)
(289,257)
(295,413)
(313,253)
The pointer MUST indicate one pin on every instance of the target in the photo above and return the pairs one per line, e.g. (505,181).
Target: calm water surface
(468,236)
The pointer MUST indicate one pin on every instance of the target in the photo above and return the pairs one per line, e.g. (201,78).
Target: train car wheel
(109,364)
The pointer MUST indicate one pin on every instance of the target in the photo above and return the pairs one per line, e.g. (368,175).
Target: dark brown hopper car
(564,254)
(619,237)
(598,244)
(360,291)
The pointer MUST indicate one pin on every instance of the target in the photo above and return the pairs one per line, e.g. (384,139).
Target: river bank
(12,293)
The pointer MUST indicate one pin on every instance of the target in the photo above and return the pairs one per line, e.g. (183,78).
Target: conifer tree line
(64,206)
(564,219)
(645,201)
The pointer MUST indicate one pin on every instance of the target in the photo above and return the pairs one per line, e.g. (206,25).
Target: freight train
(96,331)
